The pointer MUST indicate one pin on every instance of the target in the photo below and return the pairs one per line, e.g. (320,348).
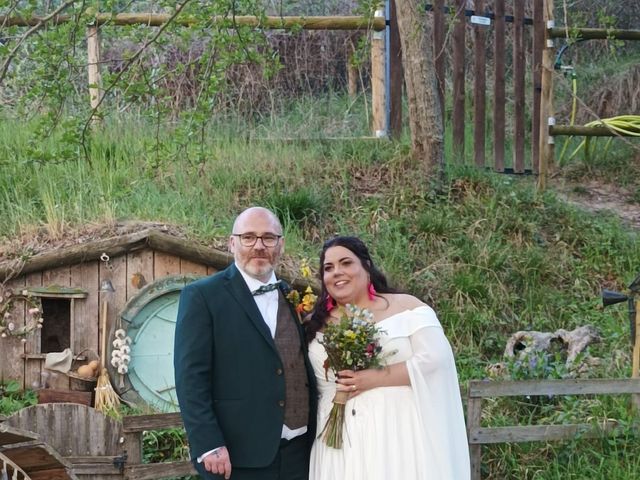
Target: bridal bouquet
(351,344)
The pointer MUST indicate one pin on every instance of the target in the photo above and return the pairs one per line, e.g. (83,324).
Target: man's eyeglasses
(249,239)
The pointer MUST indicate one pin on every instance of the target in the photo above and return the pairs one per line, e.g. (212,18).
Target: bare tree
(425,108)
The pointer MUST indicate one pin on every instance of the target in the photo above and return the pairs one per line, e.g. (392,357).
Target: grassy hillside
(489,253)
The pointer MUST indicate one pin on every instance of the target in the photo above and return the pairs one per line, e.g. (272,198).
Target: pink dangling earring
(330,303)
(372,292)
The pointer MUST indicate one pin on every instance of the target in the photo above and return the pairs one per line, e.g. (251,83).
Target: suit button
(281,403)
(279,371)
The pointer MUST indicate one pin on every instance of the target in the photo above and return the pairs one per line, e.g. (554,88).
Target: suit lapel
(240,292)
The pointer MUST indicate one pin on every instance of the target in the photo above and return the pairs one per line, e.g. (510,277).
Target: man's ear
(231,244)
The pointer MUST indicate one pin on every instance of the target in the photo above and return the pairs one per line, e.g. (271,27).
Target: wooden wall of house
(127,273)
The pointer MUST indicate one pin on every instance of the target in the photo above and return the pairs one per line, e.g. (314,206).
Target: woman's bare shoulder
(403,301)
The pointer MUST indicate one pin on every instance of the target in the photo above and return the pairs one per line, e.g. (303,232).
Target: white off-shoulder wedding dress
(412,432)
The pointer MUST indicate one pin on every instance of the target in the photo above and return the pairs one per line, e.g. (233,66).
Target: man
(244,384)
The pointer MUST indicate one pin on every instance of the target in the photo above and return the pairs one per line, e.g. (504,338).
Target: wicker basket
(78,383)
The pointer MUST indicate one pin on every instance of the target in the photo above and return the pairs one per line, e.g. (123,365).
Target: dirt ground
(599,197)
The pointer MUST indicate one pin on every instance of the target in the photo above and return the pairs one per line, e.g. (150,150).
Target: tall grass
(488,252)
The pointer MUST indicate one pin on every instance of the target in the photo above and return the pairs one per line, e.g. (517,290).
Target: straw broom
(107,400)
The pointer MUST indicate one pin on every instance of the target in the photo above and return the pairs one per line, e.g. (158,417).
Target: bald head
(253,214)
(256,242)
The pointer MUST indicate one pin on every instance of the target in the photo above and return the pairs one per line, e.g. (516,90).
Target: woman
(404,421)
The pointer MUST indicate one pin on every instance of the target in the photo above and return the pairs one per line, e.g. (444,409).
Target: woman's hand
(363,380)
(356,382)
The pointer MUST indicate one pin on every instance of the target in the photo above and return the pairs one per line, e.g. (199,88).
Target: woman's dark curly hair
(320,313)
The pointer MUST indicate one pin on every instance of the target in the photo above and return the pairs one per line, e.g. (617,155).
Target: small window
(58,306)
(55,335)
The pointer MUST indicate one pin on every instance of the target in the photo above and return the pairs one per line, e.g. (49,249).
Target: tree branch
(31,31)
(125,67)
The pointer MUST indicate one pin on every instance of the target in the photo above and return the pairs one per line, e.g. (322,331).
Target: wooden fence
(93,446)
(479,435)
(530,40)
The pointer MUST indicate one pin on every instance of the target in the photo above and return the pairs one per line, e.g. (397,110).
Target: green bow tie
(266,288)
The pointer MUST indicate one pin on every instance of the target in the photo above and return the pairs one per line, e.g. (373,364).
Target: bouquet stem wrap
(332,433)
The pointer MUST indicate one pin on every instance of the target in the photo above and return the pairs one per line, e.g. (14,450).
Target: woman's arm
(395,375)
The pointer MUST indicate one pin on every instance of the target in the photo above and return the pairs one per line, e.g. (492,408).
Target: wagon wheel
(26,457)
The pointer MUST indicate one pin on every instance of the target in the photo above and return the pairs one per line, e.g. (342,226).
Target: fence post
(635,369)
(133,446)
(93,65)
(458,81)
(546,98)
(394,57)
(378,73)
(474,417)
(480,86)
(518,86)
(498,87)
(538,46)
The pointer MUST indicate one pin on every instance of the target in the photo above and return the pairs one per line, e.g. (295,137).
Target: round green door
(150,322)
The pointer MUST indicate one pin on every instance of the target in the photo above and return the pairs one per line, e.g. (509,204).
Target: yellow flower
(350,334)
(309,300)
(305,269)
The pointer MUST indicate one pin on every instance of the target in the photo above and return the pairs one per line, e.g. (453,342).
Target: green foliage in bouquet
(351,344)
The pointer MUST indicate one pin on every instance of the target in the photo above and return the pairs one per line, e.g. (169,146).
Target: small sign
(480,20)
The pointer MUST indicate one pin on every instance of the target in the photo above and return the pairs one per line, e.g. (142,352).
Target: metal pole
(387,64)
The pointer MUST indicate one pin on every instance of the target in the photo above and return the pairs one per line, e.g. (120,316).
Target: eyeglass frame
(258,237)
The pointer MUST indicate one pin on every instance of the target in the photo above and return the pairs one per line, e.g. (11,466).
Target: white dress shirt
(267,302)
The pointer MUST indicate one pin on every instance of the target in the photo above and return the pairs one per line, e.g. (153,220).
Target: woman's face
(344,276)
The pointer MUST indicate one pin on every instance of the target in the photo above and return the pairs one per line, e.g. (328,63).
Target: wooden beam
(546,100)
(113,247)
(538,433)
(395,74)
(474,416)
(159,470)
(93,465)
(635,363)
(594,33)
(538,46)
(138,423)
(554,387)
(519,63)
(159,19)
(75,254)
(479,89)
(499,98)
(459,46)
(580,130)
(378,74)
(93,66)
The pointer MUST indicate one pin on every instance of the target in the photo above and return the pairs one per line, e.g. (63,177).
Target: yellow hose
(574,107)
(623,124)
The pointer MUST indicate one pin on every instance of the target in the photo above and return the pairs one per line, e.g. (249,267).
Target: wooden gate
(90,442)
(511,31)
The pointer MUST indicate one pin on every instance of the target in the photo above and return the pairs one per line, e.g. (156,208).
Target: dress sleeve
(434,381)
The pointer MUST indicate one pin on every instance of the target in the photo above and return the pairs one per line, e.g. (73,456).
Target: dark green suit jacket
(226,365)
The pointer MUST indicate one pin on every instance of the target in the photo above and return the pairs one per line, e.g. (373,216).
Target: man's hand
(218,462)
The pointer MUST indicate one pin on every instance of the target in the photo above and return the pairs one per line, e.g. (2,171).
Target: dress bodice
(394,340)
